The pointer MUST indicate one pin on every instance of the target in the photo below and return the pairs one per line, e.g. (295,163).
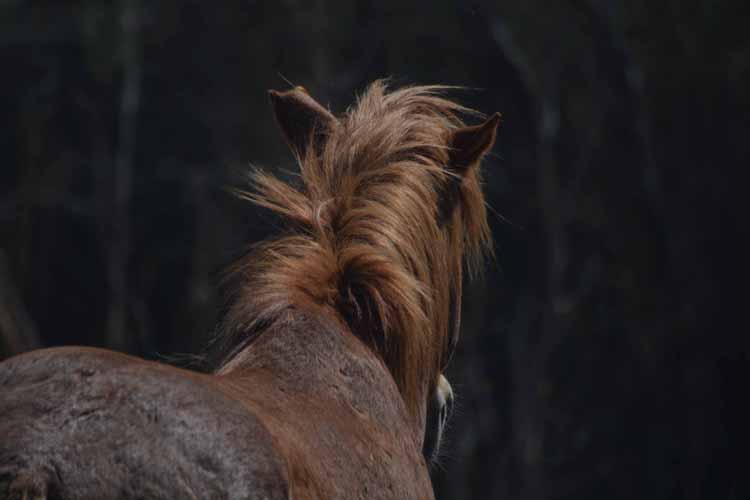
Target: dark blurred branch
(120,243)
(515,55)
(18,333)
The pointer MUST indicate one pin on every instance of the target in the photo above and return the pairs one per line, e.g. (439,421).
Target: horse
(326,379)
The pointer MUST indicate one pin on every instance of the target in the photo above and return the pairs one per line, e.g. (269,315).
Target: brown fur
(366,237)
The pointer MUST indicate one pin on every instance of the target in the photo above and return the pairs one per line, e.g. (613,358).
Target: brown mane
(366,235)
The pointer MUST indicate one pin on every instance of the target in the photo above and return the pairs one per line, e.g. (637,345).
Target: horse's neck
(313,359)
(332,408)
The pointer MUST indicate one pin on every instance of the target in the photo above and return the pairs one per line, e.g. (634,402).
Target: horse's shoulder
(102,419)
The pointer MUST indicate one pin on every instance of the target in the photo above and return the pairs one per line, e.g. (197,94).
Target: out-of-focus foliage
(602,354)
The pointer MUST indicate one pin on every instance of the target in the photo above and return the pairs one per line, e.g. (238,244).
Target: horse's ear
(303,121)
(466,147)
(469,144)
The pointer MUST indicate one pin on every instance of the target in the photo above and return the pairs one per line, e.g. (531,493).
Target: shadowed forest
(602,353)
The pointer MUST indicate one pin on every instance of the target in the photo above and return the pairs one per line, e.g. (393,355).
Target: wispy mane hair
(376,230)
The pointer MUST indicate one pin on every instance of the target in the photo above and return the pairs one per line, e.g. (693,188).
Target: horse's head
(389,206)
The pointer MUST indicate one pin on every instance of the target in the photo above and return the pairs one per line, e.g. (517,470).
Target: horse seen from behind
(326,378)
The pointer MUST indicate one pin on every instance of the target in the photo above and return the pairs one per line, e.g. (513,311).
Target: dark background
(603,354)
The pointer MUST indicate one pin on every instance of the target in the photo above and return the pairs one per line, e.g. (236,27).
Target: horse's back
(81,423)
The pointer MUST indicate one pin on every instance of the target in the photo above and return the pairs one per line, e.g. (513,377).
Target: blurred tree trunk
(119,315)
(530,350)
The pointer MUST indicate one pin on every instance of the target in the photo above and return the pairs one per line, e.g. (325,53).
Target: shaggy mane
(366,236)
